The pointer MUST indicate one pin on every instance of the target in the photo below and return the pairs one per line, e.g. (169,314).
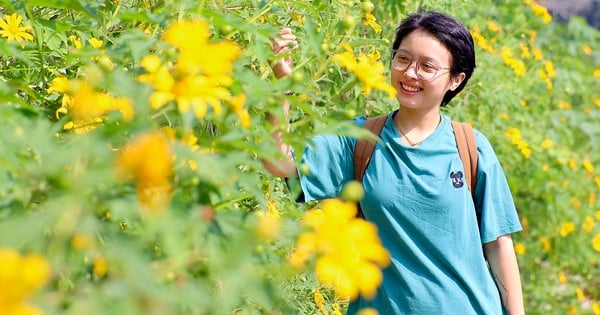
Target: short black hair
(453,34)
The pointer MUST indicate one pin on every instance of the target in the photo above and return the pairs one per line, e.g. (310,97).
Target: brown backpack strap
(364,147)
(467,149)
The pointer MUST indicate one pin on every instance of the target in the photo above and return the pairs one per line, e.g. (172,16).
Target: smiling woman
(411,191)
(132,135)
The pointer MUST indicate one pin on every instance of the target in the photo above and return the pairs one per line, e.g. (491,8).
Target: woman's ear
(457,80)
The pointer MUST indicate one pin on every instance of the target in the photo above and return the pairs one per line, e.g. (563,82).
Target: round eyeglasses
(425,70)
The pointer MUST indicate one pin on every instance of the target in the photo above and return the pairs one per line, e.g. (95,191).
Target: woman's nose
(411,70)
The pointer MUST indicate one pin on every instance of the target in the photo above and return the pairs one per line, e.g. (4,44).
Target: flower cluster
(539,10)
(86,104)
(20,276)
(349,251)
(199,78)
(547,73)
(482,42)
(516,139)
(517,65)
(367,68)
(149,160)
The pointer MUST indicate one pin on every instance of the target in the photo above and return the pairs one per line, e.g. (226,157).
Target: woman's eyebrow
(424,58)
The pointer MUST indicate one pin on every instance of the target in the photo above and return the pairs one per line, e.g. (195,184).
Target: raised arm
(503,262)
(282,67)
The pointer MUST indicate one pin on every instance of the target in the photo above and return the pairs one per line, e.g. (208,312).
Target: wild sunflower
(11,29)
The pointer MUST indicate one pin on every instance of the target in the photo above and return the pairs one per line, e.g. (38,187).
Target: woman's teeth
(410,88)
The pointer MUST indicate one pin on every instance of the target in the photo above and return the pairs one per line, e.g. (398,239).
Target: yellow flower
(546,245)
(148,159)
(562,278)
(580,295)
(20,277)
(525,52)
(86,104)
(319,300)
(76,41)
(589,167)
(367,69)
(545,167)
(349,250)
(596,101)
(588,224)
(520,249)
(372,22)
(547,143)
(99,266)
(196,54)
(537,54)
(96,43)
(586,49)
(268,226)
(160,78)
(567,228)
(596,242)
(549,67)
(237,102)
(595,308)
(336,309)
(542,12)
(10,27)
(59,84)
(596,72)
(514,134)
(572,163)
(299,18)
(575,202)
(544,76)
(493,27)
(481,41)
(201,74)
(564,105)
(517,65)
(532,37)
(82,241)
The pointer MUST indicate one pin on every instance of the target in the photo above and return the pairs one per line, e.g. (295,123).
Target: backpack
(465,141)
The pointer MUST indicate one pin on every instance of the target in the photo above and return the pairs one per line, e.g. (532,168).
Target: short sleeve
(493,198)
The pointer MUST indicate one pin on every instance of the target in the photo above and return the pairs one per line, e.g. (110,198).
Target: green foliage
(203,255)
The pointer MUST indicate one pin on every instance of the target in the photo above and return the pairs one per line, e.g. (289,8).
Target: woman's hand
(285,43)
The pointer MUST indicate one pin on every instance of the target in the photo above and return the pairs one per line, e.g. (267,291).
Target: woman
(428,225)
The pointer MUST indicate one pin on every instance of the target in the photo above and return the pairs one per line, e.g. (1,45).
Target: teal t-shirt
(425,215)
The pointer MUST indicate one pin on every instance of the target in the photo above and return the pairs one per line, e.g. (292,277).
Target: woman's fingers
(285,43)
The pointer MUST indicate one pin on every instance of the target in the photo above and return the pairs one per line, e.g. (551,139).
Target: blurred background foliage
(221,243)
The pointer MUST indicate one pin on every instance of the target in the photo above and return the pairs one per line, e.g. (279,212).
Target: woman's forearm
(282,167)
(282,67)
(503,262)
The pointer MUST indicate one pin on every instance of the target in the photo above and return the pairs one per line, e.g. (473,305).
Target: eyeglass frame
(417,64)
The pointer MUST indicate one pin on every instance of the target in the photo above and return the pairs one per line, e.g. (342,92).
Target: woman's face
(426,50)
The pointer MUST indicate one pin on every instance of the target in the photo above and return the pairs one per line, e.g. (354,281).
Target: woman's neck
(409,119)
(415,126)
